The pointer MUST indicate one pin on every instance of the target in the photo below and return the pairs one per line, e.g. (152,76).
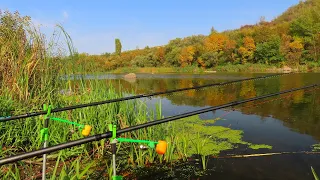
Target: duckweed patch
(207,139)
(316,147)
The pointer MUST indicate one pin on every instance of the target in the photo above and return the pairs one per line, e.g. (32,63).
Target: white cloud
(65,15)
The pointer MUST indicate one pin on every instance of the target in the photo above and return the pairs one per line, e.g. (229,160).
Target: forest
(292,39)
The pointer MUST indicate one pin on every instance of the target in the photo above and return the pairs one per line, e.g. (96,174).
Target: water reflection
(300,111)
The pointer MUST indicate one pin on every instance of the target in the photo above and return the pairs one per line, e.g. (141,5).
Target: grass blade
(314,174)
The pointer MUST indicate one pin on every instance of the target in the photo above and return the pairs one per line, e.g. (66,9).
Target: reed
(27,73)
(314,174)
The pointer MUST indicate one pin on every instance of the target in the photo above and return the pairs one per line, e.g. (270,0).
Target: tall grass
(27,73)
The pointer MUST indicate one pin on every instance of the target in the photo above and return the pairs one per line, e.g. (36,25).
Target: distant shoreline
(248,68)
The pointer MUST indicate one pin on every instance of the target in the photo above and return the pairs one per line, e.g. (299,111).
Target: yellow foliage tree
(247,50)
(292,49)
(186,56)
(215,42)
(160,54)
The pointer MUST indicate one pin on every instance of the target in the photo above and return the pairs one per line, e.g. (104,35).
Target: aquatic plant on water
(316,147)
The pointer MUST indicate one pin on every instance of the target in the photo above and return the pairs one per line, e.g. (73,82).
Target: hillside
(296,11)
(292,39)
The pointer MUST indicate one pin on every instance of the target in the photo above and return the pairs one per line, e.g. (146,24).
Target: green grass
(245,68)
(158,70)
(249,67)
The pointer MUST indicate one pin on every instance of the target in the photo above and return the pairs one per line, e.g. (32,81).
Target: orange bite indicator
(86,131)
(161,147)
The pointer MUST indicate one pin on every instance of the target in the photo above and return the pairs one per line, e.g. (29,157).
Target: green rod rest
(44,132)
(113,129)
(48,109)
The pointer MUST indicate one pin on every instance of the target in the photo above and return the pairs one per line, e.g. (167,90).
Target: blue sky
(93,25)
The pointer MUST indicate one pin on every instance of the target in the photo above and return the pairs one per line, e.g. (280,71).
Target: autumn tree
(228,50)
(118,46)
(217,47)
(215,42)
(247,50)
(186,56)
(160,54)
(292,49)
(263,33)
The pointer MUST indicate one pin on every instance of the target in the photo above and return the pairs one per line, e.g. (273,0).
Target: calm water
(289,124)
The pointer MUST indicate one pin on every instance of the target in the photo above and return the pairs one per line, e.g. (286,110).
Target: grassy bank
(250,68)
(265,68)
(158,70)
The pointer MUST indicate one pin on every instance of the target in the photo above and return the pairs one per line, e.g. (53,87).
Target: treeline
(292,39)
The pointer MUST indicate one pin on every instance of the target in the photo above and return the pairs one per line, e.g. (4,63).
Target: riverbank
(253,68)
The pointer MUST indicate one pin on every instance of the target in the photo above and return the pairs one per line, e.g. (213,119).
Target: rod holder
(161,147)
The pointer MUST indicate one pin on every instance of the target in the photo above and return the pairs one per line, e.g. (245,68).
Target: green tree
(210,59)
(307,26)
(118,46)
(172,57)
(269,52)
(149,60)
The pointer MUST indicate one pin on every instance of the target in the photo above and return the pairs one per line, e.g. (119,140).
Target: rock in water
(286,69)
(130,76)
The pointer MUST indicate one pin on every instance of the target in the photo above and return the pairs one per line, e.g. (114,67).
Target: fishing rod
(137,127)
(33,114)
